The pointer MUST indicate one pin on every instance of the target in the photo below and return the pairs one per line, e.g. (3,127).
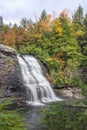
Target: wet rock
(74,92)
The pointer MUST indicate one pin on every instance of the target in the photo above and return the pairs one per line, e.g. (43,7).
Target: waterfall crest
(38,88)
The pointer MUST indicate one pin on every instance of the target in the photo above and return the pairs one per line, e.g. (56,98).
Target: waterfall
(38,88)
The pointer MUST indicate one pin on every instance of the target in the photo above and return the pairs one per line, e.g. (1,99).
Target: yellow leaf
(79,33)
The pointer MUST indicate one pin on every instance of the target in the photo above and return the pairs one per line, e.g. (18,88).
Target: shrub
(62,117)
(10,119)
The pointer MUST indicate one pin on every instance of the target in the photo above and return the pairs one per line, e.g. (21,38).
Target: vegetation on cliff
(60,42)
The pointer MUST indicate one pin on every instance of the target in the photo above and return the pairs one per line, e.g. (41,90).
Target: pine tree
(78,21)
(78,17)
(43,15)
(1,22)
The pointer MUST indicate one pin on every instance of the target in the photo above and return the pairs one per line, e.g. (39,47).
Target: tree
(85,20)
(23,23)
(78,21)
(57,27)
(1,22)
(85,27)
(78,18)
(43,15)
(84,40)
(66,23)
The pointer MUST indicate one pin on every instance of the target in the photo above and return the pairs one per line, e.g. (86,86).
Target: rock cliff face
(10,76)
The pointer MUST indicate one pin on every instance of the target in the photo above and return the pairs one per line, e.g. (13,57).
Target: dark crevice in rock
(8,53)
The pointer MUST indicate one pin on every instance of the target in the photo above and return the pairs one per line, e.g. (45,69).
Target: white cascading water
(38,88)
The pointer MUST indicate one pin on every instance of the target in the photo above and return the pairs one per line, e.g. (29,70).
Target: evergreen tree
(85,27)
(1,22)
(23,23)
(78,17)
(84,41)
(78,20)
(43,15)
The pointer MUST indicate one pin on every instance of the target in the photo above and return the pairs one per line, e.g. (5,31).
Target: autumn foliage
(56,40)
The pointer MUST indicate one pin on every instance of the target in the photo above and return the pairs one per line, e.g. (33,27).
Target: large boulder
(10,76)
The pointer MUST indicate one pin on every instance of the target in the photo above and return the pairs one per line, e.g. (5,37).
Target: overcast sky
(13,10)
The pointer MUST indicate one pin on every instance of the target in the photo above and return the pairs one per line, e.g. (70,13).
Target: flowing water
(38,88)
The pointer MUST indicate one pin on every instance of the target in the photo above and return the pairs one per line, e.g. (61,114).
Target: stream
(33,114)
(33,117)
